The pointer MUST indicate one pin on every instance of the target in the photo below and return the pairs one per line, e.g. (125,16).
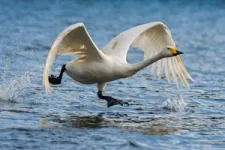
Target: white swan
(101,67)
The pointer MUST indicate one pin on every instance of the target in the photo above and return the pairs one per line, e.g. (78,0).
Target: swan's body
(98,72)
(95,66)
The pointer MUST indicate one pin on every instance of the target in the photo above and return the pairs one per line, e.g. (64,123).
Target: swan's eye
(168,48)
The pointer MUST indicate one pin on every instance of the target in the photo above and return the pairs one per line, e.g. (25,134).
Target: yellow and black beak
(175,52)
(178,53)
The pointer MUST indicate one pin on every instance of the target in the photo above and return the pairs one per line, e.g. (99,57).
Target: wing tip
(192,79)
(46,83)
(160,23)
(79,24)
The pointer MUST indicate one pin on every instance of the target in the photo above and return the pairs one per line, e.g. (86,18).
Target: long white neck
(136,67)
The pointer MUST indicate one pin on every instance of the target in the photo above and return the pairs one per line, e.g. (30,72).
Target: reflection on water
(148,126)
(87,122)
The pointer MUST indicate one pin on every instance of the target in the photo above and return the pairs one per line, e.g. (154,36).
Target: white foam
(176,104)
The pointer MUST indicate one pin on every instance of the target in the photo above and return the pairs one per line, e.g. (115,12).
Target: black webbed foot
(112,101)
(54,80)
(57,80)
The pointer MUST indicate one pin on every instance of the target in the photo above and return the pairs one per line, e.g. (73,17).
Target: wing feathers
(167,71)
(171,67)
(154,39)
(159,70)
(73,40)
(151,38)
(184,69)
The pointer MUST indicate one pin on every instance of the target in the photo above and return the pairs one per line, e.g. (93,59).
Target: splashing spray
(14,87)
(177,104)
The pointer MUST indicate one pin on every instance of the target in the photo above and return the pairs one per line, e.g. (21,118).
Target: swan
(109,64)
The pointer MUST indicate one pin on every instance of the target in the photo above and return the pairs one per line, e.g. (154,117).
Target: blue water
(160,116)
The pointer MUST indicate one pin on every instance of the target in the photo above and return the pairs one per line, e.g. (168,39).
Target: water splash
(176,104)
(13,87)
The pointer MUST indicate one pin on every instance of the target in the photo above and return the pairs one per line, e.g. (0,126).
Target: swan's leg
(57,80)
(110,100)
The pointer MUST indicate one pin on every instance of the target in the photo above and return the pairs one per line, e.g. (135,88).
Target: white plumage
(96,66)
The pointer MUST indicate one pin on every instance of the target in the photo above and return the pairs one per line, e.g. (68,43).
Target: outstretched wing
(73,40)
(150,38)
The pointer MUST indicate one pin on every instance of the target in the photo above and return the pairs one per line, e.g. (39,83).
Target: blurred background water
(72,117)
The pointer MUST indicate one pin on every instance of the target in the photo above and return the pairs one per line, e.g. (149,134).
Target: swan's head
(170,51)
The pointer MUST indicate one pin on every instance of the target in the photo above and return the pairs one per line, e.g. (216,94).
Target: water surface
(160,116)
